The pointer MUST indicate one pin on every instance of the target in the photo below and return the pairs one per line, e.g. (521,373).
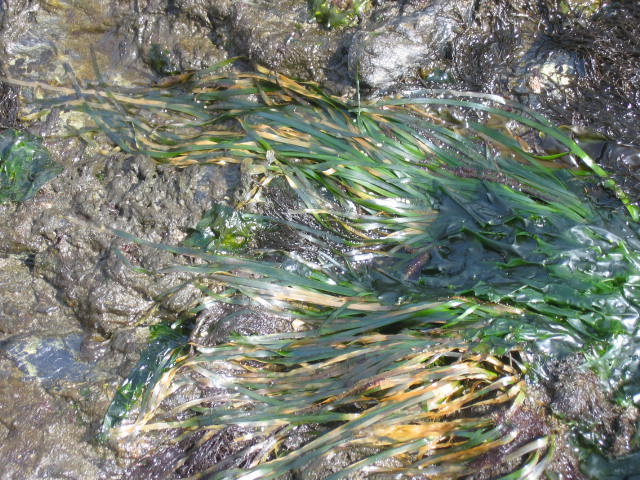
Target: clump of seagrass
(444,244)
(411,397)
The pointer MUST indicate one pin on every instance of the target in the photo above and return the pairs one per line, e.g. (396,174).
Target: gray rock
(54,384)
(27,302)
(282,36)
(45,436)
(62,227)
(395,49)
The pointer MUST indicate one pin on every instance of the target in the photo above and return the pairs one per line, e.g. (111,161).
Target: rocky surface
(74,314)
(45,435)
(42,38)
(398,48)
(55,382)
(280,35)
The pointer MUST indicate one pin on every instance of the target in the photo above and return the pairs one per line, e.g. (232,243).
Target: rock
(68,302)
(62,230)
(43,436)
(218,321)
(47,359)
(8,106)
(43,40)
(547,71)
(283,37)
(27,302)
(386,53)
(52,390)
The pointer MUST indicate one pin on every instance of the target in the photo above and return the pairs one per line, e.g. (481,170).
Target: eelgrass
(443,244)
(411,397)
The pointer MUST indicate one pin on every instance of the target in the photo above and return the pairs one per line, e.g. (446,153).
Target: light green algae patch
(25,166)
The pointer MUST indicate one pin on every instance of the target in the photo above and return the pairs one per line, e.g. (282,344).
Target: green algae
(25,166)
(337,13)
(223,230)
(167,344)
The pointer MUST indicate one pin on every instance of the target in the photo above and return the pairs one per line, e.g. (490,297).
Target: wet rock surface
(28,298)
(73,310)
(281,36)
(219,320)
(61,232)
(391,50)
(41,39)
(44,435)
(74,314)
(52,392)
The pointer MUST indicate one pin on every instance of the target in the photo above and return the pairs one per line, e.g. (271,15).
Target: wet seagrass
(447,246)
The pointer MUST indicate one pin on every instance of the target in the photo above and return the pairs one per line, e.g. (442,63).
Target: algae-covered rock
(25,166)
(338,13)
